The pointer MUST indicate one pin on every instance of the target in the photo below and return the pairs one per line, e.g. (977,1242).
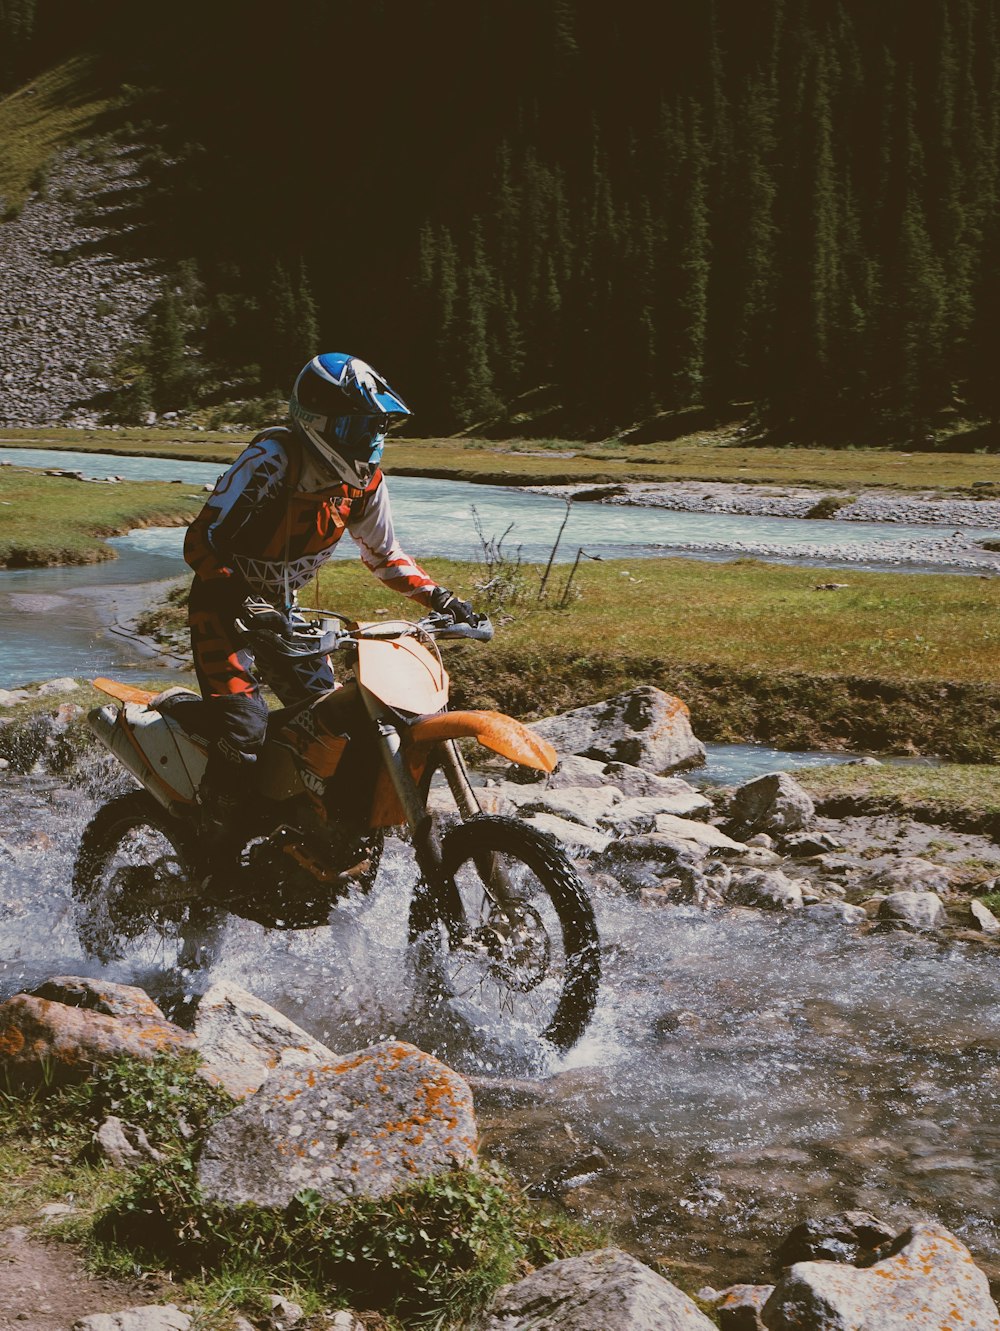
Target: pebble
(953,549)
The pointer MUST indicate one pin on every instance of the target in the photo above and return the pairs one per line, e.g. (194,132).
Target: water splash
(742,1070)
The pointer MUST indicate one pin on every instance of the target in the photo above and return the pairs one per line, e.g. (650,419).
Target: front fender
(494,731)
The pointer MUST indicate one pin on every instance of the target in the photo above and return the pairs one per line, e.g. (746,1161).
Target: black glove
(444,603)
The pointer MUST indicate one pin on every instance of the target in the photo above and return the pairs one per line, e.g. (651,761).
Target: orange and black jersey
(274,518)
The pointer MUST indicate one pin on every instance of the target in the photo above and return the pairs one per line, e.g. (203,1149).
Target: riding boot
(225,799)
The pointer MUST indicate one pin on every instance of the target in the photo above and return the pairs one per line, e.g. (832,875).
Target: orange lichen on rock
(37,1032)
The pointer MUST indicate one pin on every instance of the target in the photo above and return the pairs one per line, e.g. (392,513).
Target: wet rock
(584,805)
(638,815)
(39,1035)
(834,912)
(738,1307)
(701,834)
(926,1282)
(768,889)
(983,918)
(848,1236)
(365,1125)
(241,1040)
(653,848)
(910,873)
(150,1317)
(773,803)
(800,845)
(577,839)
(912,910)
(113,1000)
(645,728)
(594,1292)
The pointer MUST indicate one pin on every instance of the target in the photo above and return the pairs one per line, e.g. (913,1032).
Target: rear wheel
(135,891)
(513,930)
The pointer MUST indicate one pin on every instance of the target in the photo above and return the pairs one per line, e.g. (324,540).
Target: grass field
(704,457)
(959,795)
(748,614)
(55,520)
(890,663)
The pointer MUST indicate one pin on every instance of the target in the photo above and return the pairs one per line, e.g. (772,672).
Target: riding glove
(445,603)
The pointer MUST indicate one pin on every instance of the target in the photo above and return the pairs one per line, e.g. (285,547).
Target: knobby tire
(475,841)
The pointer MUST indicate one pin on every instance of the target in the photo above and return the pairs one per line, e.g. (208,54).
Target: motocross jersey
(274,518)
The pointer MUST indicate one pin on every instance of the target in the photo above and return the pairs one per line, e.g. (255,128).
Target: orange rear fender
(124,692)
(494,731)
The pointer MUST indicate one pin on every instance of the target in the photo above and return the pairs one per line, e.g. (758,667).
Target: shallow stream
(743,1070)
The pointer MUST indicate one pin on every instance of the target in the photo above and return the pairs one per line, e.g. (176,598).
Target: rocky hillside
(69,303)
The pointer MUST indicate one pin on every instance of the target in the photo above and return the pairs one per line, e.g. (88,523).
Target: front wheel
(513,930)
(134,890)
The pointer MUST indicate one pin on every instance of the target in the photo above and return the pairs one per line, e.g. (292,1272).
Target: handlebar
(291,635)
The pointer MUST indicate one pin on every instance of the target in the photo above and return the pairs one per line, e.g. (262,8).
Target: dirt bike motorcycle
(497,905)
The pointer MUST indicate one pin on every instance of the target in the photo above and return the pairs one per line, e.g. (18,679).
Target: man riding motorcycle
(270,523)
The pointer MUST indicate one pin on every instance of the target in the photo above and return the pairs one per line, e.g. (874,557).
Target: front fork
(442,897)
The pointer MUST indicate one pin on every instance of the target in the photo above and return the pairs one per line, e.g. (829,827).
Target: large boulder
(927,1282)
(644,728)
(365,1125)
(70,1025)
(918,911)
(773,803)
(595,1292)
(241,1040)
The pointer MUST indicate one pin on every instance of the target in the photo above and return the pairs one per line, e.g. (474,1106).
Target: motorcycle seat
(189,710)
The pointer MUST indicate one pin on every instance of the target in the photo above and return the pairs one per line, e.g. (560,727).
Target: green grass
(52,112)
(745,615)
(891,663)
(428,1256)
(705,456)
(55,520)
(958,795)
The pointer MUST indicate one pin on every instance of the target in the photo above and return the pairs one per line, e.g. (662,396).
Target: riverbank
(720,456)
(886,663)
(47,521)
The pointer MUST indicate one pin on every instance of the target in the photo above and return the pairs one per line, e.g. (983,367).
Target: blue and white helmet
(344,409)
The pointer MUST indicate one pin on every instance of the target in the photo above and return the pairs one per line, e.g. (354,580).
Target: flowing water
(743,1071)
(435,517)
(70,609)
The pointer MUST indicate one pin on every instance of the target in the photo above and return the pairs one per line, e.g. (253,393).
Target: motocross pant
(228,679)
